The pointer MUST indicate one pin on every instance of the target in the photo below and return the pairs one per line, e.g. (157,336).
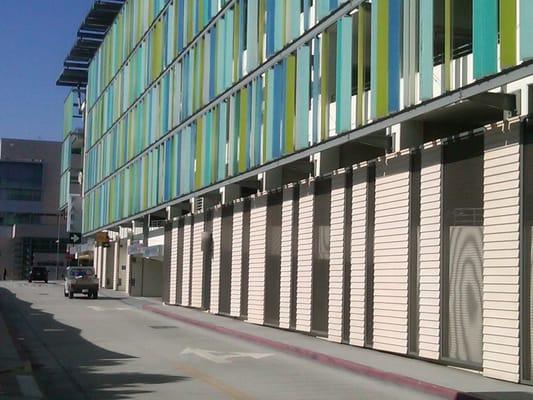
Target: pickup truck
(81,280)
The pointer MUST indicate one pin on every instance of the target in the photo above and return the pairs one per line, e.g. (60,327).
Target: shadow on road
(68,366)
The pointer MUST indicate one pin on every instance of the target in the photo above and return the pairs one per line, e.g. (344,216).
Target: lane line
(228,390)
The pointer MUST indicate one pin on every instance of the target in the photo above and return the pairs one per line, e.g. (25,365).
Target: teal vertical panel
(322,8)
(426,49)
(293,20)
(251,35)
(485,37)
(526,29)
(302,96)
(344,74)
(270,113)
(374,56)
(228,64)
(222,140)
(316,88)
(184,160)
(279,27)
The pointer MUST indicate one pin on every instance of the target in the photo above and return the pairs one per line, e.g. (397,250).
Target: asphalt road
(107,349)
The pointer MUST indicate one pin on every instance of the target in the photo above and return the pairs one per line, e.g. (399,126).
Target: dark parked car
(38,274)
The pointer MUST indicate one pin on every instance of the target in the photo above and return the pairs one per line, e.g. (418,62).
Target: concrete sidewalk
(445,382)
(16,378)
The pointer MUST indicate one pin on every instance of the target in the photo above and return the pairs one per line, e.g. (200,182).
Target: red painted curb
(325,359)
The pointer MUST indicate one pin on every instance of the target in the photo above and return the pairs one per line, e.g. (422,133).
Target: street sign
(74,237)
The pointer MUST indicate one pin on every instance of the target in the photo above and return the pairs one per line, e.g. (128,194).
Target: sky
(35,38)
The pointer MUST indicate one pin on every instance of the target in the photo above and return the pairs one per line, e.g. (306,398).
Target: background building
(358,170)
(29,222)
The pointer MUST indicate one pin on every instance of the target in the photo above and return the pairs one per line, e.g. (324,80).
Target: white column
(215,265)
(429,241)
(173,289)
(197,267)
(236,260)
(128,269)
(256,277)
(336,257)
(305,259)
(501,288)
(286,257)
(186,262)
(391,244)
(358,256)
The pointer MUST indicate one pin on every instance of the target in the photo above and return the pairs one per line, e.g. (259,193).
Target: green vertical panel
(289,104)
(485,37)
(243,144)
(302,97)
(382,52)
(526,29)
(362,56)
(231,135)
(426,49)
(508,33)
(344,74)
(213,162)
(269,114)
(261,28)
(447,44)
(324,76)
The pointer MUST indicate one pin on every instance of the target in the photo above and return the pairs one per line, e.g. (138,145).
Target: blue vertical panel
(485,37)
(222,140)
(184,160)
(302,97)
(526,29)
(426,50)
(344,74)
(270,23)
(212,63)
(316,89)
(220,52)
(258,120)
(395,34)
(181,24)
(306,10)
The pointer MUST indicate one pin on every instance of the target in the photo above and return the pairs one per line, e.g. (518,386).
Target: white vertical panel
(305,259)
(236,261)
(358,256)
(336,257)
(429,264)
(173,265)
(197,266)
(501,255)
(286,257)
(186,262)
(256,280)
(391,242)
(215,265)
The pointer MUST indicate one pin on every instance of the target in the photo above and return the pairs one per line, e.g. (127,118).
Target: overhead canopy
(90,36)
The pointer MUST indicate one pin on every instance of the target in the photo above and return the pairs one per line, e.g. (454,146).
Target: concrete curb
(331,361)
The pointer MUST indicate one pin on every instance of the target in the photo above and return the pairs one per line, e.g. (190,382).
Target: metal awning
(90,36)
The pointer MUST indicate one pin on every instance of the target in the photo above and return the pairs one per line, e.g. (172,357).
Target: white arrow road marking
(220,357)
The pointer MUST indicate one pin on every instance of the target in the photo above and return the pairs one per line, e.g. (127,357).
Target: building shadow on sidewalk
(66,365)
